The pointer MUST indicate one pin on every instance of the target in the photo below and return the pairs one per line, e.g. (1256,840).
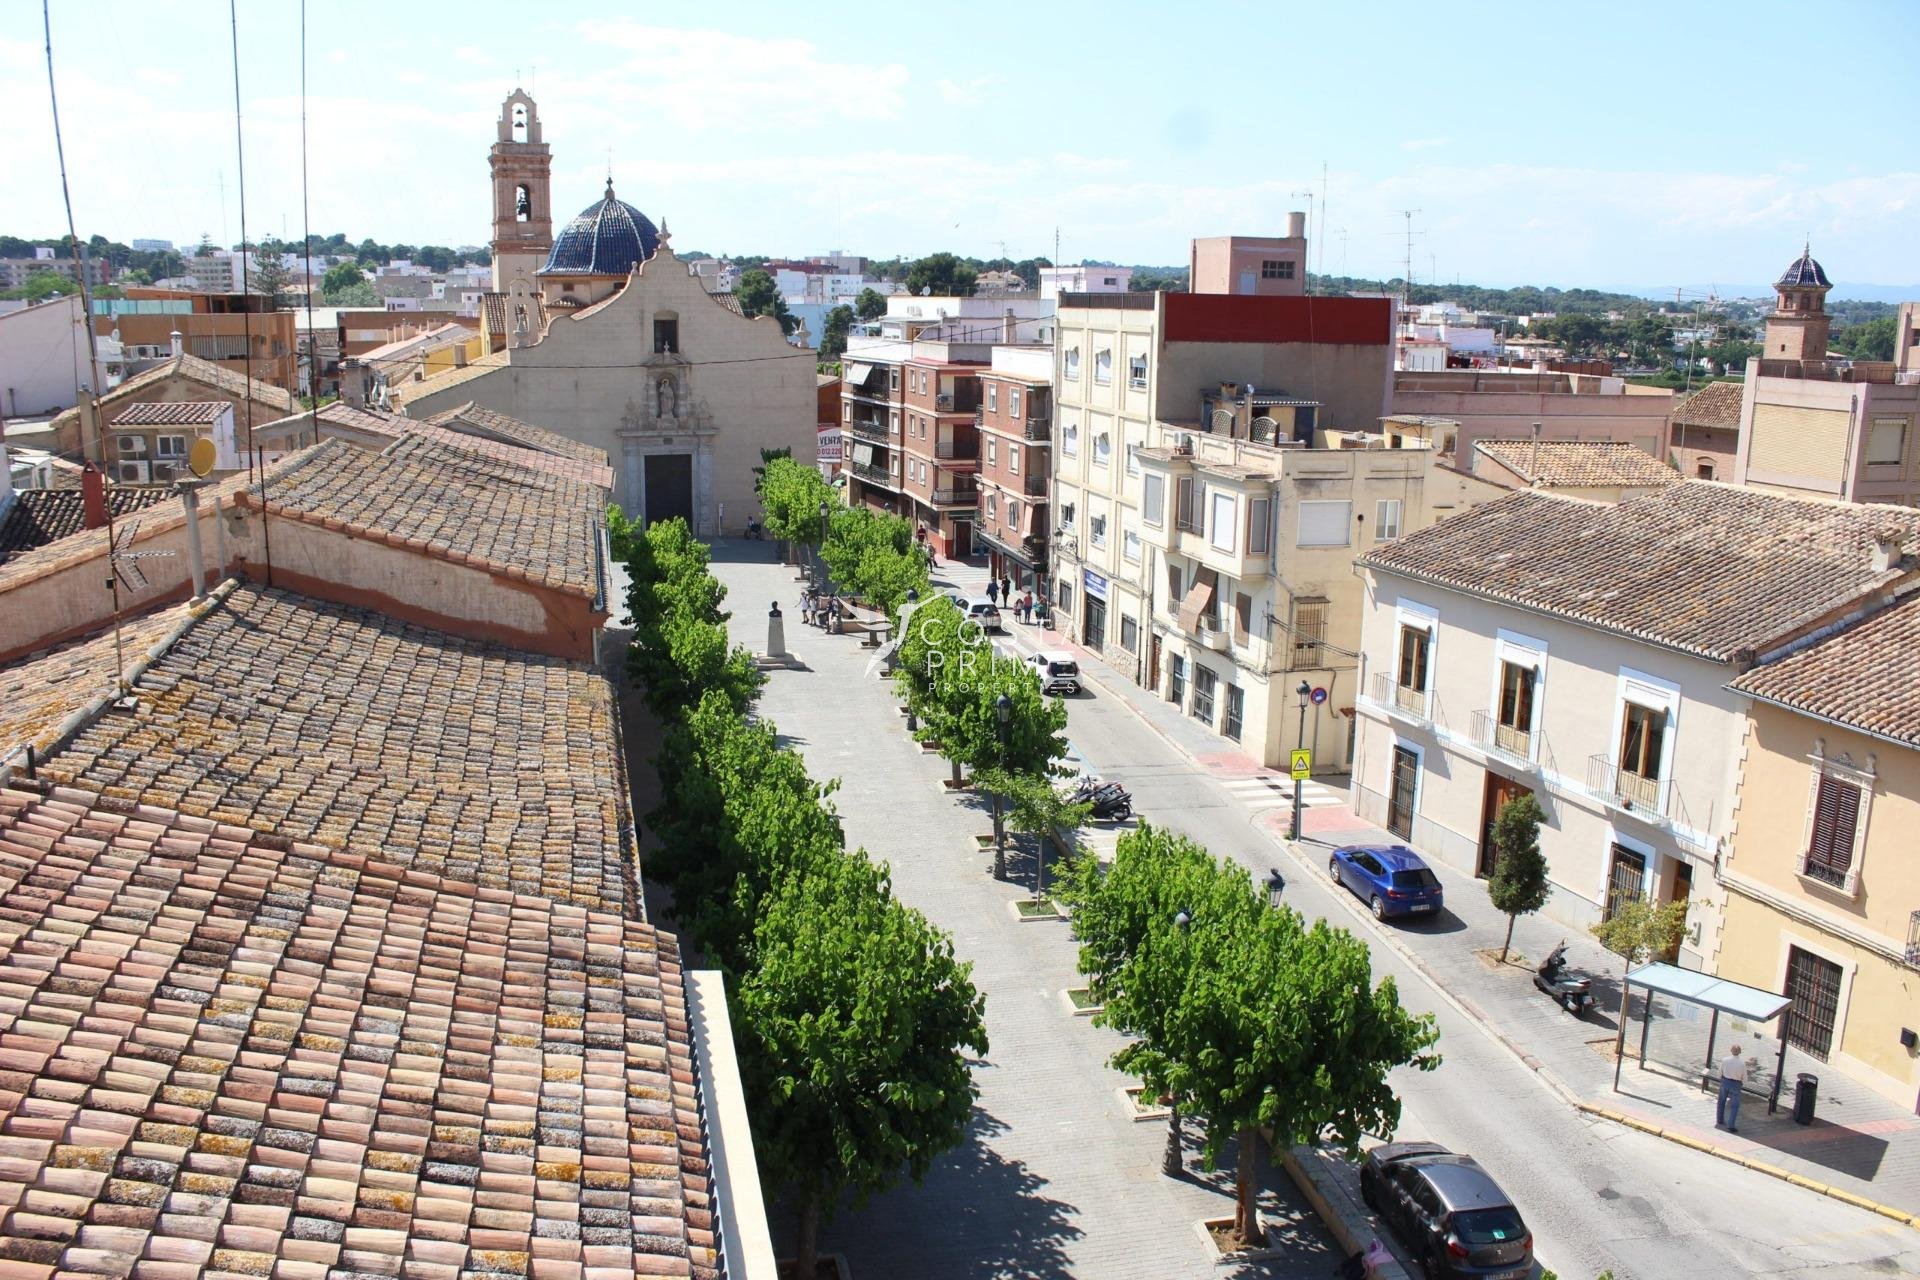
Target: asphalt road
(1596,1195)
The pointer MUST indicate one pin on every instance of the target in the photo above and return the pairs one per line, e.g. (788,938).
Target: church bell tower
(1799,326)
(522,197)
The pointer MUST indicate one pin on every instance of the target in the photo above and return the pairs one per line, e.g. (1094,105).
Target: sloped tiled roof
(1715,405)
(1865,676)
(1555,464)
(208,373)
(37,517)
(164,413)
(476,419)
(453,504)
(389,426)
(231,1054)
(40,691)
(492,362)
(584,470)
(482,764)
(1706,568)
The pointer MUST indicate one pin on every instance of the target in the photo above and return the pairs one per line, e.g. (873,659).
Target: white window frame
(1096,530)
(1222,521)
(1383,527)
(1522,651)
(1103,367)
(1874,429)
(993,451)
(1102,448)
(1650,693)
(1153,500)
(1259,525)
(1346,520)
(1137,372)
(993,507)
(1844,769)
(1070,439)
(1130,545)
(1013,513)
(1133,458)
(1070,364)
(993,397)
(1421,617)
(1013,459)
(160,449)
(1013,402)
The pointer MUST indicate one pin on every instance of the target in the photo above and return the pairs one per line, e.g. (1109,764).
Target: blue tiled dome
(1805,272)
(607,239)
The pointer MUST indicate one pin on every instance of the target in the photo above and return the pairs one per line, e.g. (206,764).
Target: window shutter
(1836,813)
(1242,616)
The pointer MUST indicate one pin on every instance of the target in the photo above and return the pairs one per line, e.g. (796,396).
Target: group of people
(1000,595)
(819,610)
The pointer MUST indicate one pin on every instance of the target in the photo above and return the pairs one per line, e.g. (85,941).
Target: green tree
(680,648)
(1637,930)
(854,1029)
(929,641)
(205,248)
(340,276)
(766,457)
(354,295)
(962,716)
(1872,340)
(872,555)
(1036,807)
(42,285)
(870,305)
(1519,884)
(833,332)
(1028,269)
(268,276)
(790,496)
(757,296)
(942,275)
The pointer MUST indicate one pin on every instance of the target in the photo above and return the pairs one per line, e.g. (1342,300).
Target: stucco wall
(1579,703)
(1509,415)
(588,379)
(1771,907)
(39,369)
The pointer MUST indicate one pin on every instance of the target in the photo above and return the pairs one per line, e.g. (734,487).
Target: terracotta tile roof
(37,517)
(1553,464)
(342,416)
(475,419)
(453,504)
(1707,568)
(475,762)
(579,463)
(41,690)
(409,391)
(207,373)
(236,1055)
(584,470)
(1864,676)
(156,413)
(1715,405)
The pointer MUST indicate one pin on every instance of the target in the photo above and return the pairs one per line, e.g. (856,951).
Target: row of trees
(853,1017)
(1239,1013)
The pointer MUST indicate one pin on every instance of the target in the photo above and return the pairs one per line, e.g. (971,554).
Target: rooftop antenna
(1406,274)
(78,250)
(1323,220)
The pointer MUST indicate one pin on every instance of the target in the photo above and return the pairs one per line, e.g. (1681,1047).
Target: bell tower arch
(522,193)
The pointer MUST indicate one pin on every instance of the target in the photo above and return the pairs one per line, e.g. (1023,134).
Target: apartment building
(1833,428)
(1585,653)
(15,272)
(239,330)
(940,444)
(872,405)
(1015,422)
(150,440)
(1823,891)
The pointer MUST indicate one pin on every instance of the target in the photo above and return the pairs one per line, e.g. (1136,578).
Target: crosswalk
(1275,791)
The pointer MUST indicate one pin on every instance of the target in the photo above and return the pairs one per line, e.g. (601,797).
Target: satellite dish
(200,457)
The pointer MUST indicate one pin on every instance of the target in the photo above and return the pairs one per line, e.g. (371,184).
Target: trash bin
(1804,1088)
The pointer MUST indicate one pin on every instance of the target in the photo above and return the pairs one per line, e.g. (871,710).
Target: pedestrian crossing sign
(1300,764)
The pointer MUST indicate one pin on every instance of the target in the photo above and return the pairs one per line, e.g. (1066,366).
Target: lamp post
(1002,717)
(820,553)
(1305,691)
(1171,1163)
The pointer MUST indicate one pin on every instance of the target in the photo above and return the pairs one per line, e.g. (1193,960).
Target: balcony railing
(877,475)
(1395,696)
(961,450)
(1491,735)
(956,496)
(1039,428)
(1913,940)
(1622,787)
(876,431)
(1034,486)
(943,403)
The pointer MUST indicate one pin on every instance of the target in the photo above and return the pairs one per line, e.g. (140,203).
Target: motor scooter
(1572,991)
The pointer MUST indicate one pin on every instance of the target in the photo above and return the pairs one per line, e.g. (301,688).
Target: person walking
(1026,606)
(993,592)
(1733,1077)
(1006,588)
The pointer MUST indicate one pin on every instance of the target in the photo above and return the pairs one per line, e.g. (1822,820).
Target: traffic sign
(1300,764)
(1319,695)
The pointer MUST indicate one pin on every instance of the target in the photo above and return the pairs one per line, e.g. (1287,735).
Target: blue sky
(1540,144)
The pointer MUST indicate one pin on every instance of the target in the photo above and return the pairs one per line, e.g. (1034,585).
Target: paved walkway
(1056,1177)
(1859,1143)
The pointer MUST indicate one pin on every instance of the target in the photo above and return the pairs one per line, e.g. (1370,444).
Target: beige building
(1823,890)
(1832,428)
(1261,266)
(1490,404)
(1703,431)
(1584,653)
(619,346)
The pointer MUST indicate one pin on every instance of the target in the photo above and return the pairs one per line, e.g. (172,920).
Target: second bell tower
(522,195)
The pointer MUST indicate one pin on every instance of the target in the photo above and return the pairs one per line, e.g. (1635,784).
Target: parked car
(978,609)
(1449,1212)
(1058,672)
(1390,878)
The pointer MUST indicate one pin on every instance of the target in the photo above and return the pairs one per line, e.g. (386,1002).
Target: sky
(1651,146)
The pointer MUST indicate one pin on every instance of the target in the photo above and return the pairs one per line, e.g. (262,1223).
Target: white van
(1058,672)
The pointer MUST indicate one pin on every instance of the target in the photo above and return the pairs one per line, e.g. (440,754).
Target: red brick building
(871,407)
(1015,421)
(940,448)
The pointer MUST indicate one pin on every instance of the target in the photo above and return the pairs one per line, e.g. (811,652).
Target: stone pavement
(1056,1178)
(1859,1144)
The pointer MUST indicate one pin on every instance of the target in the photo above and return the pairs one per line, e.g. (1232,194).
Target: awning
(1752,1003)
(858,373)
(1199,595)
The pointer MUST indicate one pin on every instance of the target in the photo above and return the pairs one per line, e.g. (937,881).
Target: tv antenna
(1406,274)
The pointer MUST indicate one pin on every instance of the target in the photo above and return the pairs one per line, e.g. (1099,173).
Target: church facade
(613,342)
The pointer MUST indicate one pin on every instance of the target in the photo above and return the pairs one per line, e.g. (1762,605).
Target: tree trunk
(956,772)
(1508,942)
(806,1252)
(1246,1208)
(1040,867)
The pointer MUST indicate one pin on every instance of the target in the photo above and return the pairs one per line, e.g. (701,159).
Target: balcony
(875,475)
(957,450)
(1040,426)
(956,496)
(1622,788)
(1212,635)
(1034,486)
(1410,704)
(1502,739)
(875,431)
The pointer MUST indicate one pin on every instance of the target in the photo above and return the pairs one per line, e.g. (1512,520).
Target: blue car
(1389,878)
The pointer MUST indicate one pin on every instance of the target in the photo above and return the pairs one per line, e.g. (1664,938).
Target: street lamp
(820,554)
(1002,717)
(913,598)
(1305,691)
(1171,1162)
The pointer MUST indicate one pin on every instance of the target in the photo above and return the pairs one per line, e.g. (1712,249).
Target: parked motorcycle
(1111,802)
(1571,990)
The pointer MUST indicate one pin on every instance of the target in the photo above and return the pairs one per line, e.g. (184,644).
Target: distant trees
(758,296)
(870,305)
(40,286)
(1872,340)
(340,276)
(268,276)
(833,332)
(942,275)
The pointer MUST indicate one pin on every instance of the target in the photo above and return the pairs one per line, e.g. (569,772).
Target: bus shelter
(1676,1047)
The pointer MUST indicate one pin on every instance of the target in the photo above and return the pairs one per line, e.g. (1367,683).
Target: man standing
(1733,1077)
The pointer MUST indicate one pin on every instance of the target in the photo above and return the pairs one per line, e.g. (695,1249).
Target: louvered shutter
(1836,813)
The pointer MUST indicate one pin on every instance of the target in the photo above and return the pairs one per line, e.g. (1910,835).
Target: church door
(669,487)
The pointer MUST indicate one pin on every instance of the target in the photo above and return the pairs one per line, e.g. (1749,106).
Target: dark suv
(1453,1217)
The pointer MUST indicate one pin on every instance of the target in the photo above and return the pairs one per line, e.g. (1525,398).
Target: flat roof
(1751,1003)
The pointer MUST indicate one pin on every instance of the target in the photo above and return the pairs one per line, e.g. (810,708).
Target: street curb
(1748,1162)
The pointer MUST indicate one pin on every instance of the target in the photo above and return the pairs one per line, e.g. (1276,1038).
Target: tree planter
(952,787)
(1079,1003)
(983,842)
(1218,1235)
(1130,1101)
(929,748)
(1027,911)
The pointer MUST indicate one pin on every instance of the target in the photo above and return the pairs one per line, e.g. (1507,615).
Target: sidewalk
(1860,1146)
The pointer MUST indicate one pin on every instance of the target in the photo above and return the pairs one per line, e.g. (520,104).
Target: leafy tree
(767,456)
(872,555)
(1028,269)
(354,295)
(1871,340)
(929,642)
(340,276)
(205,248)
(268,276)
(790,496)
(42,285)
(1035,806)
(941,274)
(854,1026)
(833,332)
(961,714)
(680,648)
(1637,930)
(758,296)
(1519,884)
(870,305)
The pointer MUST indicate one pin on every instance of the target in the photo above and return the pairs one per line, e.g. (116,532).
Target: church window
(520,123)
(666,335)
(522,203)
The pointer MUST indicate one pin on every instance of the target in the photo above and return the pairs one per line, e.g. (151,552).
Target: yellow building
(1823,898)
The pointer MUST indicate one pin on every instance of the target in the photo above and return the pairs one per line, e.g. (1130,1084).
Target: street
(1597,1196)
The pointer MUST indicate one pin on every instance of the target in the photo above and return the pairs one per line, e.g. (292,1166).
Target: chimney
(459,355)
(93,497)
(1886,550)
(1296,225)
(179,345)
(1533,457)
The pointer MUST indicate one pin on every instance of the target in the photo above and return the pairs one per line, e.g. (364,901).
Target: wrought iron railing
(868,430)
(1490,734)
(956,496)
(1618,785)
(959,450)
(878,475)
(1389,692)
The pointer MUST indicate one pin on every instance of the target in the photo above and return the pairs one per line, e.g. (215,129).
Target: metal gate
(1813,984)
(1406,772)
(1627,878)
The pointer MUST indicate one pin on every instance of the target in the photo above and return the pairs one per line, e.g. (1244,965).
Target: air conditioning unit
(1183,443)
(130,472)
(164,472)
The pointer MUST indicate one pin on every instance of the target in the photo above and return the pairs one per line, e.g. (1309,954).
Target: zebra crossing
(1275,791)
